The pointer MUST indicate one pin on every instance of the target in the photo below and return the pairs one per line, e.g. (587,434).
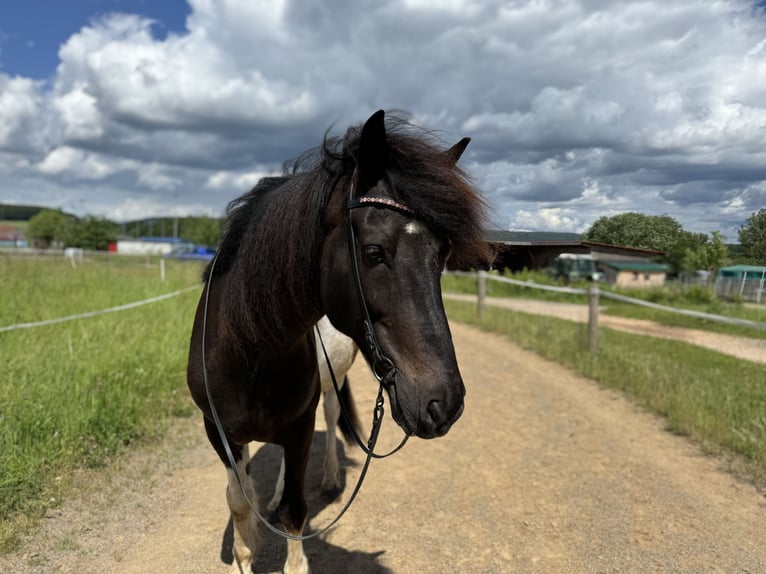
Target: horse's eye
(374,254)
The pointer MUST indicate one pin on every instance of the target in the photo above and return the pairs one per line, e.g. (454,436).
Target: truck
(576,267)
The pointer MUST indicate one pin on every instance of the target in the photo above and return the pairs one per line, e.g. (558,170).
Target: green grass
(717,400)
(694,299)
(76,394)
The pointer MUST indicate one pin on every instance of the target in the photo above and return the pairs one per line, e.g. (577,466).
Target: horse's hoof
(331,494)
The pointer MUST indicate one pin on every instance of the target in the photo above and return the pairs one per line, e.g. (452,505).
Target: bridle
(383,369)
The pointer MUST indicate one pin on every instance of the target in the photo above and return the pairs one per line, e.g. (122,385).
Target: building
(11,236)
(635,273)
(518,250)
(148,245)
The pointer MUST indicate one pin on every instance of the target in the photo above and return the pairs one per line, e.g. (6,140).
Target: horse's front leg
(292,508)
(279,488)
(331,472)
(246,539)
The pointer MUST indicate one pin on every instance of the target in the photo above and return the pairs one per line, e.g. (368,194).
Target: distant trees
(752,236)
(657,232)
(636,230)
(201,230)
(13,212)
(49,226)
(709,256)
(53,227)
(91,232)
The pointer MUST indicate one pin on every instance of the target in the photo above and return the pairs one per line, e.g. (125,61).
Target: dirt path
(750,349)
(545,472)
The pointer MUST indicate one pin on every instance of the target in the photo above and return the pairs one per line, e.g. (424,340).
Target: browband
(375,201)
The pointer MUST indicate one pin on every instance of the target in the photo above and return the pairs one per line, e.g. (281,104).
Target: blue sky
(31,31)
(576,108)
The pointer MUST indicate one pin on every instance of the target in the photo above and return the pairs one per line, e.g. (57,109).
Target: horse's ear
(457,150)
(371,161)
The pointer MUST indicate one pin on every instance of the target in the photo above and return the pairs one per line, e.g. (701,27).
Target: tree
(710,256)
(202,230)
(92,233)
(47,227)
(752,236)
(657,232)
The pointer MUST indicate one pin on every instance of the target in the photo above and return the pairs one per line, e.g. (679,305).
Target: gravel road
(544,473)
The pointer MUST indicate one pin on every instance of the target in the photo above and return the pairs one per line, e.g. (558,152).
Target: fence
(87,314)
(594,293)
(77,257)
(747,288)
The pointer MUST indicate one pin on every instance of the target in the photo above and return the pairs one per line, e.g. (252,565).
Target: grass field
(76,394)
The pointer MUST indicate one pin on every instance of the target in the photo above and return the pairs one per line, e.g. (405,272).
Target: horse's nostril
(435,412)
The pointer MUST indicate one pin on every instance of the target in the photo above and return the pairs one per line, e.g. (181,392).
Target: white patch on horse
(342,352)
(413,227)
(246,539)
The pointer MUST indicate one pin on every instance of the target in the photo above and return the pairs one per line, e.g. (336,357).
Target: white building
(149,245)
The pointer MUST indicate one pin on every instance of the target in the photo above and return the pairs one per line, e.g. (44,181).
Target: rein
(383,369)
(377,418)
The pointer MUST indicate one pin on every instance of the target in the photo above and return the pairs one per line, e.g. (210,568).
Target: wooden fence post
(593,318)
(481,293)
(162,269)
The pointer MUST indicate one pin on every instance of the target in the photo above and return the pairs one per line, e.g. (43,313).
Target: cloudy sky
(577,109)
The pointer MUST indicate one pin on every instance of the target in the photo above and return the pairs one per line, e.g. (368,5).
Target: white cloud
(576,108)
(78,163)
(242,182)
(80,117)
(548,219)
(156,177)
(21,108)
(141,207)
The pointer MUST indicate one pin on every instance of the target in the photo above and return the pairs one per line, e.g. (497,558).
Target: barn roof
(638,266)
(740,270)
(558,239)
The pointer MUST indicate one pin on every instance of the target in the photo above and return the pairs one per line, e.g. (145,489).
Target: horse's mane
(424,178)
(281,222)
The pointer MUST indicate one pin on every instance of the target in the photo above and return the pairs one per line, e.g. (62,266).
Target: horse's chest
(272,397)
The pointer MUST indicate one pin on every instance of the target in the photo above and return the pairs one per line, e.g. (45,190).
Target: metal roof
(638,266)
(554,238)
(736,268)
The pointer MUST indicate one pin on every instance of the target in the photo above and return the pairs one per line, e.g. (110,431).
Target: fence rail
(87,314)
(594,293)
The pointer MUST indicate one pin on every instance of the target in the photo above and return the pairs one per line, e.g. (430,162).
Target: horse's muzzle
(432,421)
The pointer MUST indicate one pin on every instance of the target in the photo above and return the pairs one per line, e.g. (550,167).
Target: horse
(358,229)
(341,352)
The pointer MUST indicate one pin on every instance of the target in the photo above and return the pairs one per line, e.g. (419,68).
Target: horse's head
(387,269)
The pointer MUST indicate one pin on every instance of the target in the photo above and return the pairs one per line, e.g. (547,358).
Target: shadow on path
(322,556)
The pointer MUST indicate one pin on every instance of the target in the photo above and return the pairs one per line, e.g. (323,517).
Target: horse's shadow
(322,556)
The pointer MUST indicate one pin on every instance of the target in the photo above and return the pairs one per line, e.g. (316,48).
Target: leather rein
(383,369)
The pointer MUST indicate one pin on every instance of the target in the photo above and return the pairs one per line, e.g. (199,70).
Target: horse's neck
(272,293)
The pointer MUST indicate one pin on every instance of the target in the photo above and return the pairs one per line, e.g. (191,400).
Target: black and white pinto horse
(358,230)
